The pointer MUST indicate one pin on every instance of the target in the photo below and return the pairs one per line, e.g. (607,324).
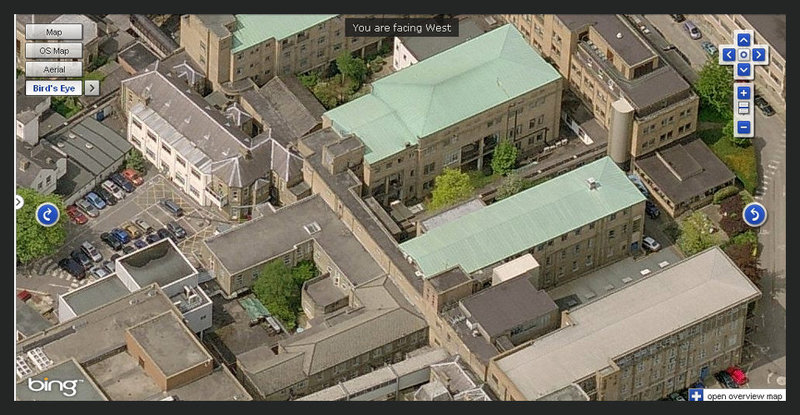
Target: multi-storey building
(643,102)
(655,336)
(235,49)
(450,110)
(769,29)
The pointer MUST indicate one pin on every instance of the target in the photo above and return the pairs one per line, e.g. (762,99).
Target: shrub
(731,210)
(724,193)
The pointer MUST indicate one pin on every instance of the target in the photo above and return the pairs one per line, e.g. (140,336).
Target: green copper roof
(442,90)
(527,219)
(252,29)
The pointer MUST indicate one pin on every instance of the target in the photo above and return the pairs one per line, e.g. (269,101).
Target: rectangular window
(611,234)
(196,174)
(180,161)
(150,153)
(166,149)
(136,123)
(151,135)
(194,191)
(428,169)
(574,265)
(179,178)
(588,260)
(452,158)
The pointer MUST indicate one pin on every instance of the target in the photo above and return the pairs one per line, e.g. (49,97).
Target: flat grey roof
(630,47)
(220,385)
(30,321)
(324,293)
(169,343)
(683,171)
(107,146)
(271,235)
(425,47)
(506,305)
(451,214)
(664,302)
(571,392)
(161,263)
(96,294)
(449,279)
(655,86)
(85,388)
(137,56)
(772,27)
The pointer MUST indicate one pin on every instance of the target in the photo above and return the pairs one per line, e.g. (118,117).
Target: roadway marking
(56,285)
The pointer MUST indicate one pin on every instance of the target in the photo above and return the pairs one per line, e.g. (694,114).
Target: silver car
(650,244)
(87,207)
(99,271)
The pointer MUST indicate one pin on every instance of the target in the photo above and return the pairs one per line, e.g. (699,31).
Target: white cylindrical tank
(620,131)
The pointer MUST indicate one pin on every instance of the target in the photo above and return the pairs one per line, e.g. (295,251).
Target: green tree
(695,235)
(309,80)
(351,67)
(715,86)
(135,161)
(34,240)
(504,158)
(511,185)
(727,131)
(279,287)
(450,187)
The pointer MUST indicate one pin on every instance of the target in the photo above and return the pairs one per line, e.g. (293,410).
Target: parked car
(176,229)
(172,207)
(95,200)
(650,244)
(24,295)
(678,17)
(694,31)
(99,271)
(122,182)
(726,380)
(109,265)
(133,176)
(112,241)
(652,210)
(91,251)
(76,216)
(107,197)
(72,267)
(709,47)
(163,233)
(132,229)
(139,244)
(675,396)
(127,249)
(88,208)
(738,375)
(122,235)
(763,105)
(81,258)
(152,238)
(115,257)
(112,188)
(144,225)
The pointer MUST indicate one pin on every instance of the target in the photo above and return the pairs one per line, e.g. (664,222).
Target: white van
(112,188)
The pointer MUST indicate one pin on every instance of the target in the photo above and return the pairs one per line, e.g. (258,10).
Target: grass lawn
(742,160)
(479,179)
(94,75)
(708,114)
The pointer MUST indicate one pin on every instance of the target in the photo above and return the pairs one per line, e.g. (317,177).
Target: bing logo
(67,387)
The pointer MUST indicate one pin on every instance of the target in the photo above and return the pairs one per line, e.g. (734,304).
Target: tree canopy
(504,158)
(695,235)
(34,240)
(715,86)
(135,161)
(351,67)
(450,187)
(279,287)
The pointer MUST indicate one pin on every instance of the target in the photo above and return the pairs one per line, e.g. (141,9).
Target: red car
(738,375)
(24,295)
(133,176)
(75,215)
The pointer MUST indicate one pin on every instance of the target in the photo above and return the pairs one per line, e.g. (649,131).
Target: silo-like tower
(620,131)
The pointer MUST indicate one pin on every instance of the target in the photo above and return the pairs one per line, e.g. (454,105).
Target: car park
(133,176)
(127,249)
(99,271)
(678,17)
(122,235)
(152,238)
(24,295)
(112,241)
(112,188)
(163,233)
(95,200)
(172,207)
(650,244)
(91,251)
(709,47)
(176,229)
(122,182)
(81,258)
(763,105)
(652,210)
(144,225)
(88,208)
(75,215)
(107,196)
(132,230)
(72,267)
(139,244)
(694,31)
(115,257)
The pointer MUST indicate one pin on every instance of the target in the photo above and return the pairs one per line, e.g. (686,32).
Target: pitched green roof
(442,90)
(525,220)
(252,29)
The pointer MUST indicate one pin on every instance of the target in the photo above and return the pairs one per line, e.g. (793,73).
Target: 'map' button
(53,31)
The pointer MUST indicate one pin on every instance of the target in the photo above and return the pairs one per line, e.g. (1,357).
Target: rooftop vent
(592,183)
(619,35)
(24,165)
(312,228)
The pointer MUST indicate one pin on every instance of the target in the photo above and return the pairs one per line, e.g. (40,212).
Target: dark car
(176,229)
(106,196)
(115,257)
(111,241)
(127,249)
(763,105)
(80,257)
(164,233)
(122,235)
(73,268)
(726,380)
(678,17)
(152,238)
(122,182)
(139,243)
(652,210)
(172,207)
